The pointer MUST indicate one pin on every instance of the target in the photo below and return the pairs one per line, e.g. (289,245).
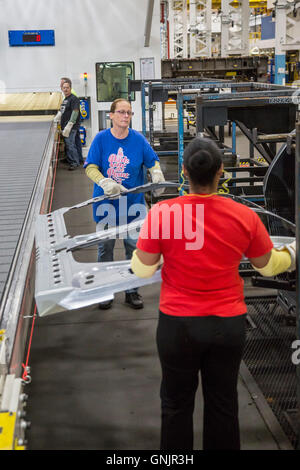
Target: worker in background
(202,312)
(66,79)
(57,119)
(77,137)
(69,118)
(115,163)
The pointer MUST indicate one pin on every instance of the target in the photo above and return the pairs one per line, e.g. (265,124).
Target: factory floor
(96,375)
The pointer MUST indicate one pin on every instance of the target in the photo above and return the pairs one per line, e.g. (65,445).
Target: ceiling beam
(148,23)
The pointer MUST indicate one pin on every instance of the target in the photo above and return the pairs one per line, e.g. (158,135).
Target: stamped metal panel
(65,284)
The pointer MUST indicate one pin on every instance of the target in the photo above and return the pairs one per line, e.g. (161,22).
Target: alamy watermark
(176,222)
(294,98)
(296,353)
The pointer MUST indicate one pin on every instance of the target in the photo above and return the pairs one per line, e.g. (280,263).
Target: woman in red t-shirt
(203,237)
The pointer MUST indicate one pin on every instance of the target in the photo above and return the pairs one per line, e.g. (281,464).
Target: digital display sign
(43,37)
(31,37)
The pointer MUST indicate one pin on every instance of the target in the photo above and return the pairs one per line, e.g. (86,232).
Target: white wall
(86,32)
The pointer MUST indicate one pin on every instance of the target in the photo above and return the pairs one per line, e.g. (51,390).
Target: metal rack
(248,105)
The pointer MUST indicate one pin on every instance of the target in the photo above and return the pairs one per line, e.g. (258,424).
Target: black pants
(214,346)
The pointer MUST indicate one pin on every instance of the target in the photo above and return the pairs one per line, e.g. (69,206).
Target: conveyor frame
(15,295)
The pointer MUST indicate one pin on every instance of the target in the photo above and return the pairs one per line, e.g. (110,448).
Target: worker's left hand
(291,248)
(57,117)
(157,177)
(111,187)
(67,130)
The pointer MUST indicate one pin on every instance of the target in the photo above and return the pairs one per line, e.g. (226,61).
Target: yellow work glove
(140,269)
(283,259)
(109,186)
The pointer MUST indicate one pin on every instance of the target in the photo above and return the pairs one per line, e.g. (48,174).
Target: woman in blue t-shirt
(115,163)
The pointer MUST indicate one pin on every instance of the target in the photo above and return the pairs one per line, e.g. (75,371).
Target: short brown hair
(114,104)
(66,80)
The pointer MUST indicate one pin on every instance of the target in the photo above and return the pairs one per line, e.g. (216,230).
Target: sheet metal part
(65,284)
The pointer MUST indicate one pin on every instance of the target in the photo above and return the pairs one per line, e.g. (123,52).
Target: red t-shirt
(202,240)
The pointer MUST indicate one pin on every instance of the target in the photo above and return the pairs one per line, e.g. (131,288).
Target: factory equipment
(264,113)
(242,68)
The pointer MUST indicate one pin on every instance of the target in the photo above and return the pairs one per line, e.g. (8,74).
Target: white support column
(292,34)
(280,40)
(178,29)
(164,29)
(225,25)
(245,7)
(171,28)
(292,27)
(200,28)
(235,28)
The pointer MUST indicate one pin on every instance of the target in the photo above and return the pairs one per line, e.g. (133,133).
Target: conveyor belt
(26,150)
(28,158)
(21,152)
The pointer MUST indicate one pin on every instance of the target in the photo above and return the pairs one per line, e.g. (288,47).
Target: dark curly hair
(202,159)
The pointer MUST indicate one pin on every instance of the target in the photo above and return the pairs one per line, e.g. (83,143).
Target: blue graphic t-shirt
(121,160)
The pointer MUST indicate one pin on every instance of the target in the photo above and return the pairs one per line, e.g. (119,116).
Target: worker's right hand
(111,187)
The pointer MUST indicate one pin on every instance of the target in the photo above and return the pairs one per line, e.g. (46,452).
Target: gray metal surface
(25,156)
(64,284)
(21,151)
